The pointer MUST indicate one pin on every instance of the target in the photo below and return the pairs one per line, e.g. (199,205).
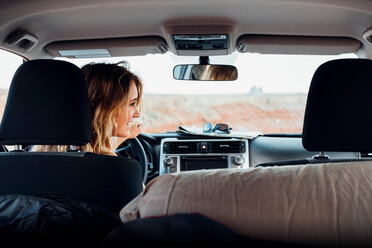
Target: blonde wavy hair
(108,89)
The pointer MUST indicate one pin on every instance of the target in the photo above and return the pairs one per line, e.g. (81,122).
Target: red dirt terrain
(263,112)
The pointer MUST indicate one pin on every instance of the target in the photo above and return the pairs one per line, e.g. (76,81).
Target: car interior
(223,160)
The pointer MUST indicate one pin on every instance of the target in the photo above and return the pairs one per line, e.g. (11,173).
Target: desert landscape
(267,113)
(3,95)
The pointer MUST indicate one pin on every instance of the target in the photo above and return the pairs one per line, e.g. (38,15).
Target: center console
(196,154)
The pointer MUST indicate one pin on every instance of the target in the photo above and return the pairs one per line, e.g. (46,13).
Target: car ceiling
(72,20)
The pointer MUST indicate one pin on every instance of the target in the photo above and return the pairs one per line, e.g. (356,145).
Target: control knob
(168,162)
(239,160)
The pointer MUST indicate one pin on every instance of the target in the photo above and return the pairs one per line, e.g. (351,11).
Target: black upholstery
(104,180)
(48,104)
(339,106)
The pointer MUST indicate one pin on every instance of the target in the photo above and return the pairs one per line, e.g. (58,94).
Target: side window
(9,63)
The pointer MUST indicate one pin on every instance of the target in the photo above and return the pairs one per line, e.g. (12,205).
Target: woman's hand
(135,129)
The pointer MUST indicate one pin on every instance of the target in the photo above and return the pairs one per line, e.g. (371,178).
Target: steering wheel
(133,148)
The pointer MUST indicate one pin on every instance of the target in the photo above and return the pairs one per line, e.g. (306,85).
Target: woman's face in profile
(124,118)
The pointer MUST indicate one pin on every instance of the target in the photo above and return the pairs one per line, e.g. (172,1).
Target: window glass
(269,95)
(9,63)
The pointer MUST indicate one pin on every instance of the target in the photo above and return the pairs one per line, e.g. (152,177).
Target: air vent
(180,147)
(227,147)
(366,155)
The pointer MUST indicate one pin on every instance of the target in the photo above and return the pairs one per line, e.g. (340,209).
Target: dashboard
(171,152)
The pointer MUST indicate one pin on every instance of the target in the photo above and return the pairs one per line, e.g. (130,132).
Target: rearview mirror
(205,72)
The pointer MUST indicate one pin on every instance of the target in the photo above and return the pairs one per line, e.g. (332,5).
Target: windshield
(269,95)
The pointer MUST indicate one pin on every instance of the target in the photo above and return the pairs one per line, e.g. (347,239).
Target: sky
(272,73)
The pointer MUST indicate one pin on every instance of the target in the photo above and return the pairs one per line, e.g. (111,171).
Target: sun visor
(107,47)
(311,45)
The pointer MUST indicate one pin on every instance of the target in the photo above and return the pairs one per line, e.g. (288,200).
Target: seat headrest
(338,115)
(47,104)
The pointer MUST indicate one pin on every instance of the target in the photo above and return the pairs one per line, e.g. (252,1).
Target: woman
(115,96)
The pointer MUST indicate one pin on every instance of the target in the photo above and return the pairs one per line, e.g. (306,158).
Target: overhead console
(201,40)
(184,155)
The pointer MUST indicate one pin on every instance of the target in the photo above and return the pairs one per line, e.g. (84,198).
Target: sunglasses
(219,128)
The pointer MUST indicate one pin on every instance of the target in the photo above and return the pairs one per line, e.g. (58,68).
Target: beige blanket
(323,204)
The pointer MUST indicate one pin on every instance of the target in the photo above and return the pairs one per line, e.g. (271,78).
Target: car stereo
(201,154)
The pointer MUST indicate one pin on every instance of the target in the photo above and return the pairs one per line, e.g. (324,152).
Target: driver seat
(48,104)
